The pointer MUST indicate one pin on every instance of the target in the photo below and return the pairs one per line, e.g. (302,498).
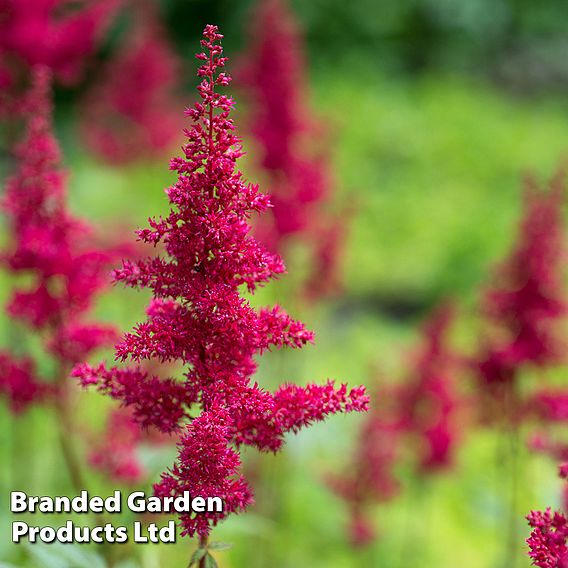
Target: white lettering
(138,537)
(19,528)
(113,503)
(214,505)
(168,533)
(18,502)
(198,504)
(136,502)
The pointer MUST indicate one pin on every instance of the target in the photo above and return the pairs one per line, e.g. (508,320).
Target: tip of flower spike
(211,32)
(37,100)
(86,374)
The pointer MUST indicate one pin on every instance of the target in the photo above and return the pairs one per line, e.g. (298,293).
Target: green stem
(512,544)
(407,535)
(65,428)
(203,541)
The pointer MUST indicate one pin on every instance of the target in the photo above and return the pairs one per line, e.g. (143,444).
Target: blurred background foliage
(435,108)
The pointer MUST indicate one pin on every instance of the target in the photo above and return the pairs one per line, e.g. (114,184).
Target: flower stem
(512,545)
(203,540)
(65,428)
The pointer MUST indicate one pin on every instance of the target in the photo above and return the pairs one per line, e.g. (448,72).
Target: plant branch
(203,541)
(65,428)
(513,473)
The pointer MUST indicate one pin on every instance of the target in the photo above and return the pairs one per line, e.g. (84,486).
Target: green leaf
(210,562)
(47,557)
(197,556)
(127,564)
(78,556)
(58,555)
(219,545)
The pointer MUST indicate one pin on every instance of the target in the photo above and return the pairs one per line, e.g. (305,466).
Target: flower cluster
(286,134)
(19,383)
(199,317)
(116,453)
(64,270)
(551,405)
(526,300)
(431,403)
(372,477)
(131,112)
(548,445)
(547,542)
(419,413)
(58,34)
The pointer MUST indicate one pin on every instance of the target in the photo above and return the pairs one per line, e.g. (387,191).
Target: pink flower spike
(64,269)
(199,318)
(547,541)
(19,383)
(526,301)
(43,32)
(289,140)
(131,112)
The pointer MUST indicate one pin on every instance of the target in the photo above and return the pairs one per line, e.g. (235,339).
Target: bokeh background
(433,110)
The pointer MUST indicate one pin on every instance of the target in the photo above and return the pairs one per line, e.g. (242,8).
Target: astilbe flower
(431,404)
(115,453)
(131,112)
(549,408)
(372,477)
(551,405)
(544,443)
(418,414)
(547,541)
(199,318)
(526,302)
(287,134)
(54,251)
(18,381)
(58,34)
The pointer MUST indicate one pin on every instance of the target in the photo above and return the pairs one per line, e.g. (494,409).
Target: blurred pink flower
(58,34)
(418,417)
(371,477)
(526,298)
(131,112)
(115,453)
(288,139)
(545,443)
(19,382)
(551,405)
(64,270)
(431,403)
(361,529)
